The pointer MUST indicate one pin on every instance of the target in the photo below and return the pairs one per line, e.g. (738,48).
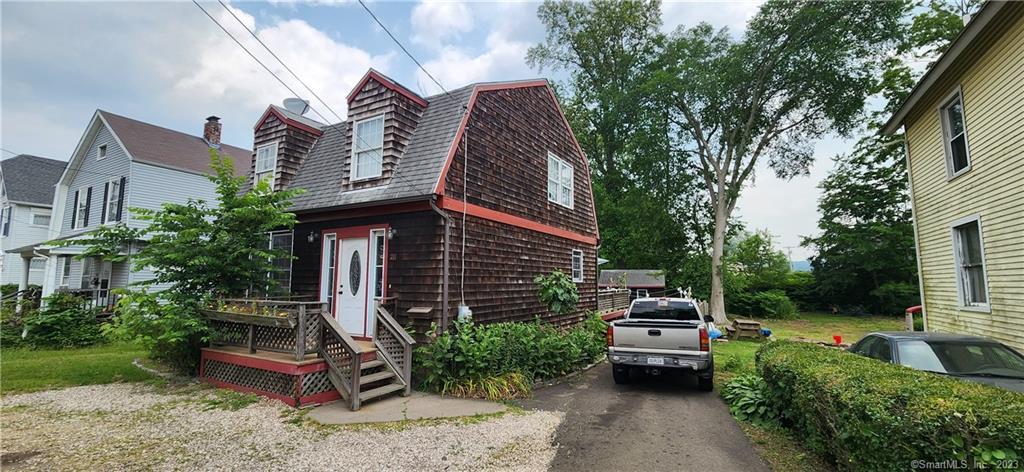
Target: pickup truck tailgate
(657,335)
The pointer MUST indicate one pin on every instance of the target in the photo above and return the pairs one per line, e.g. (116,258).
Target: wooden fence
(612,300)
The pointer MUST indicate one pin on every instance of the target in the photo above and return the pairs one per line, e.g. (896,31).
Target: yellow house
(964,124)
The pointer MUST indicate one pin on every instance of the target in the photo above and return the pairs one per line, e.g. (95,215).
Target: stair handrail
(350,384)
(403,365)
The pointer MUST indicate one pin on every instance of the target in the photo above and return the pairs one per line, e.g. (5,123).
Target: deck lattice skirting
(295,384)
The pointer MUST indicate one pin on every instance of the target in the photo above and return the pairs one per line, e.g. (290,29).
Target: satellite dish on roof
(296,105)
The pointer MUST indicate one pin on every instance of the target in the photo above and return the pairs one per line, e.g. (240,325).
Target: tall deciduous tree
(801,70)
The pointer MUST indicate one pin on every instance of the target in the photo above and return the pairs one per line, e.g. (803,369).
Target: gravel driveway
(139,427)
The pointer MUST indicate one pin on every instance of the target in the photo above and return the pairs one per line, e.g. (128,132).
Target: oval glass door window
(355,274)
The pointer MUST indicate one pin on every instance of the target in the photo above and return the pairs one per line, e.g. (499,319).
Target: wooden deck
(287,358)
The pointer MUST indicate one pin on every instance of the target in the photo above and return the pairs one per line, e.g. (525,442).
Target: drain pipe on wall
(444,281)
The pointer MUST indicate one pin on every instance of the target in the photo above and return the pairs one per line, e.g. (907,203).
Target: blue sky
(168,64)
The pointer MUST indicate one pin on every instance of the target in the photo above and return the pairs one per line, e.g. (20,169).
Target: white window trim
(105,217)
(374,234)
(947,129)
(572,184)
(6,214)
(37,259)
(102,151)
(572,263)
(355,136)
(273,167)
(65,263)
(325,270)
(960,295)
(32,218)
(81,195)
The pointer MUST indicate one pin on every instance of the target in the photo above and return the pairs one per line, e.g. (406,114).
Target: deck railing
(395,345)
(267,325)
(612,300)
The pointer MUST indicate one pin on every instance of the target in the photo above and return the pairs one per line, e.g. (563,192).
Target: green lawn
(778,447)
(24,370)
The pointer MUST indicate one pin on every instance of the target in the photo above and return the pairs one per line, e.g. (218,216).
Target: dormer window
(266,163)
(368,148)
(101,152)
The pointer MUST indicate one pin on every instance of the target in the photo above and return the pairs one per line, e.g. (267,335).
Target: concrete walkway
(652,424)
(417,406)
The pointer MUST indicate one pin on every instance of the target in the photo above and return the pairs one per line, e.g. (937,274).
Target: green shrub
(749,400)
(64,322)
(802,288)
(893,298)
(170,328)
(558,292)
(766,304)
(868,415)
(475,356)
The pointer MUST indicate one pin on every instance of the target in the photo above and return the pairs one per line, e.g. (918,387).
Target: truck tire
(621,375)
(706,384)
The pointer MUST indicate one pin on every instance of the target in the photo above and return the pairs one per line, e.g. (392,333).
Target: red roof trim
(456,205)
(290,122)
(439,188)
(385,81)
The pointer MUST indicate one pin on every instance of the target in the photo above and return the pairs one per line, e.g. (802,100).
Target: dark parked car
(968,357)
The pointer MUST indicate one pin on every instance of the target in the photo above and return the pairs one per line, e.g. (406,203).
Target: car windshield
(664,310)
(961,358)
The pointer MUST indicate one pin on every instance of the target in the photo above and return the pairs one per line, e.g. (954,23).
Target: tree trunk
(716,305)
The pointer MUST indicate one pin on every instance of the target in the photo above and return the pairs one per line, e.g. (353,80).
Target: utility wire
(402,47)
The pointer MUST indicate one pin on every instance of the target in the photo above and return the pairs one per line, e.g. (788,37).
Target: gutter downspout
(444,281)
(917,235)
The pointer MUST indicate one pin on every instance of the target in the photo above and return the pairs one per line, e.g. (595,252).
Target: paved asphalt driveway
(651,424)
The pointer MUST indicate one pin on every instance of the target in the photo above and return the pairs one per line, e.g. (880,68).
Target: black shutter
(103,207)
(74,211)
(88,206)
(120,199)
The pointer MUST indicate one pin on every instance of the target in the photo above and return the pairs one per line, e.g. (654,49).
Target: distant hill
(800,266)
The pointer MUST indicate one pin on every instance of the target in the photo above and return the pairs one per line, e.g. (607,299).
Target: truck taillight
(705,341)
(610,336)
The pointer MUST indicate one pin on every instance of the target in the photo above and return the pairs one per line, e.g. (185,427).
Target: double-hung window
(577,265)
(83,200)
(368,148)
(5,221)
(101,151)
(65,271)
(560,181)
(969,253)
(266,164)
(954,133)
(113,192)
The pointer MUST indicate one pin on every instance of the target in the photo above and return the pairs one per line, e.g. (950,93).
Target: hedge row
(868,415)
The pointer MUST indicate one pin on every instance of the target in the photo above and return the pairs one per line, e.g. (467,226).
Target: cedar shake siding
(510,134)
(401,115)
(293,145)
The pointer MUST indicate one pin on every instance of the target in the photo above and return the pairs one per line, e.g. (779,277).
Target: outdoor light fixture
(392,233)
(312,237)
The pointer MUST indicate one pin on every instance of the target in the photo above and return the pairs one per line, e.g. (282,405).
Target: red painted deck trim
(290,122)
(265,364)
(324,397)
(387,82)
(456,205)
(613,315)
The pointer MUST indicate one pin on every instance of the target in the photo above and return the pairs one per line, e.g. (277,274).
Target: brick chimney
(211,131)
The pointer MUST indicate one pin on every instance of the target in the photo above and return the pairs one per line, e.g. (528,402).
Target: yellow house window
(969,254)
(954,133)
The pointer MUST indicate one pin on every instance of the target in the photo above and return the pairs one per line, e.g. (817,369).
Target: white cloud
(435,21)
(731,14)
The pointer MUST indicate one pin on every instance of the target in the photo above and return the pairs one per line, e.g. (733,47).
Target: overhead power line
(402,47)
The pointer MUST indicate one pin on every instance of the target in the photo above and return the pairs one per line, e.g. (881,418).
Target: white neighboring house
(121,163)
(26,197)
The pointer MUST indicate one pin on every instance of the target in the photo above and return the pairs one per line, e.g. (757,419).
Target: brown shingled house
(391,191)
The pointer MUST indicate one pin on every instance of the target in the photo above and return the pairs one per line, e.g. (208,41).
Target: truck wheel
(706,384)
(621,375)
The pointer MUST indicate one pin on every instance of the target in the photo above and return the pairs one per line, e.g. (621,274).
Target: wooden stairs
(377,379)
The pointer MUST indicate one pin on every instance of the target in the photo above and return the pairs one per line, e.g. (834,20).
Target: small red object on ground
(837,338)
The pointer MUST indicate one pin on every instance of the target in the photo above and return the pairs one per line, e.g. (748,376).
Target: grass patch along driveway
(27,370)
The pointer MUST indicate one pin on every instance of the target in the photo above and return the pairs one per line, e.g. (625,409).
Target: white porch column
(26,266)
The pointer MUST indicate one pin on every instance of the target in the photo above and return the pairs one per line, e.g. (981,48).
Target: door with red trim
(352,295)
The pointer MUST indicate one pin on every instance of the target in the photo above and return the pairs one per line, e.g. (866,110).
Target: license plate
(656,360)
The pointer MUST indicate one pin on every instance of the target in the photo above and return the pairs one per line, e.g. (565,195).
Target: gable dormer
(382,116)
(281,142)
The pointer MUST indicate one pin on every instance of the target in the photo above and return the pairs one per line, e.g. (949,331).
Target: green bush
(766,304)
(893,298)
(170,328)
(868,415)
(749,400)
(558,292)
(64,322)
(478,355)
(802,288)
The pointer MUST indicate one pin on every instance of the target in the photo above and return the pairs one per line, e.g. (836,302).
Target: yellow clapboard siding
(993,188)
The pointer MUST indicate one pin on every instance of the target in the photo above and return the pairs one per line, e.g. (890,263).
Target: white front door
(352,286)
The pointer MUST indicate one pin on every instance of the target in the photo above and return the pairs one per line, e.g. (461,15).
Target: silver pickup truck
(660,335)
